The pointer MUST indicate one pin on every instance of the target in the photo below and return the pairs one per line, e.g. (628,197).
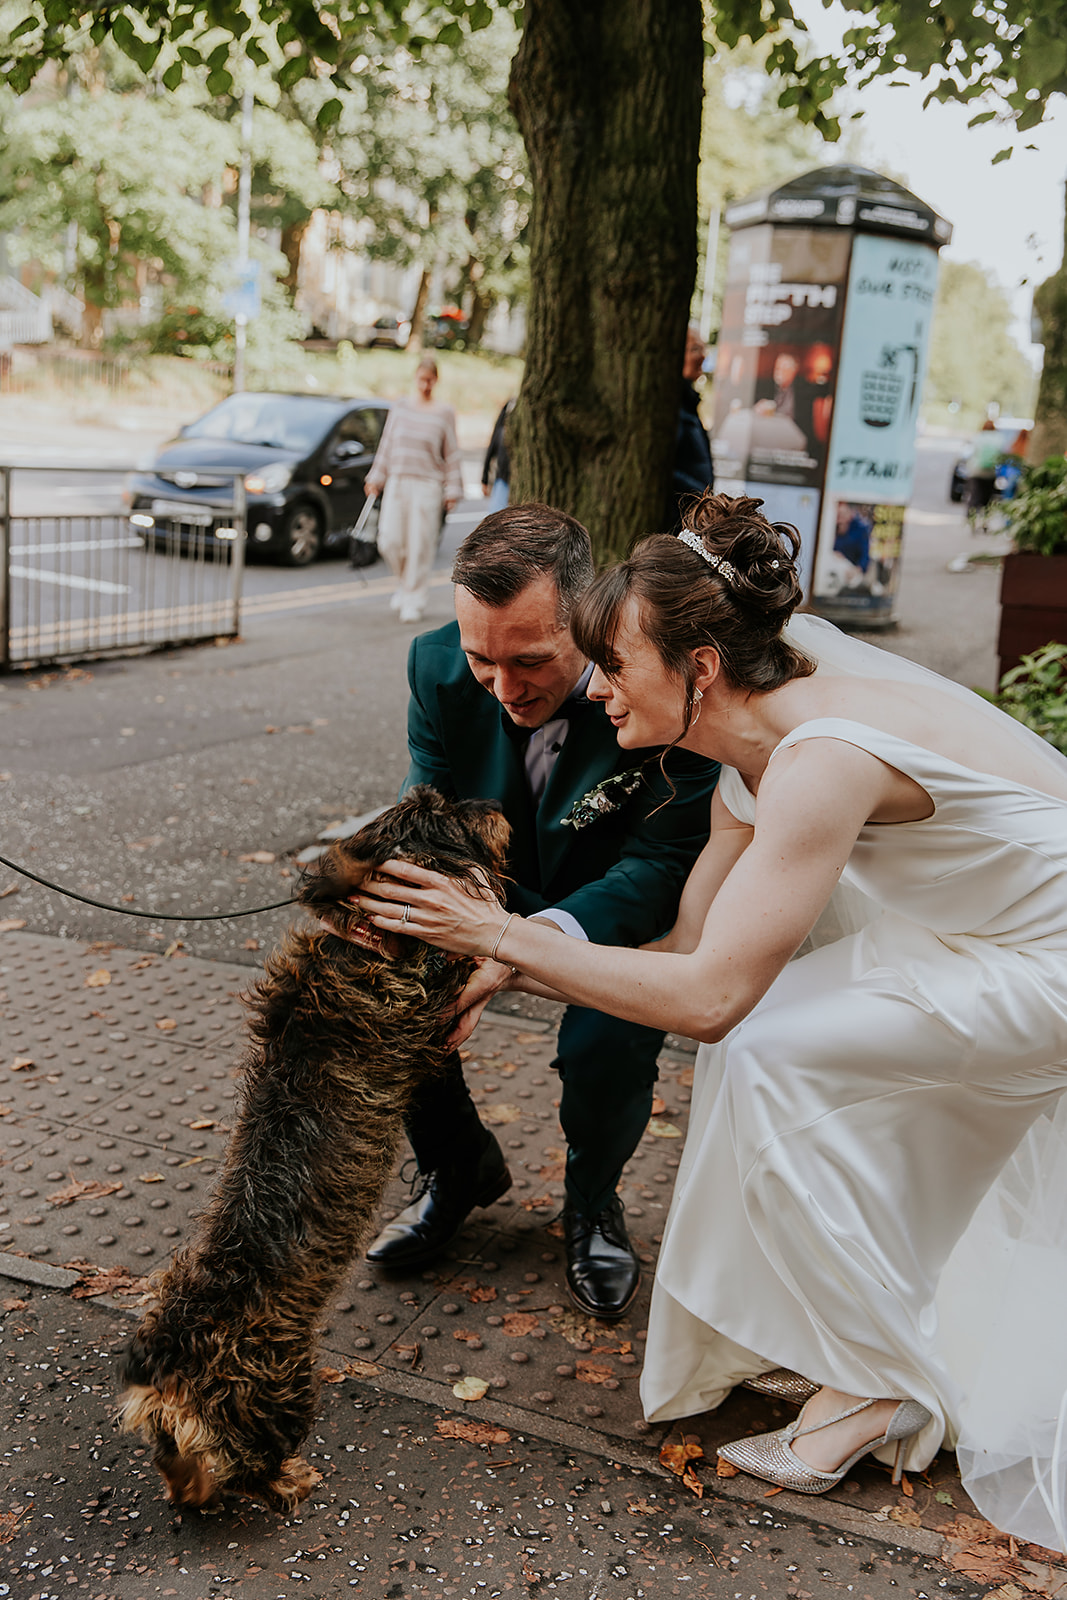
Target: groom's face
(521,652)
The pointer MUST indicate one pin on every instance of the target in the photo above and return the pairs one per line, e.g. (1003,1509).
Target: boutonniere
(608,796)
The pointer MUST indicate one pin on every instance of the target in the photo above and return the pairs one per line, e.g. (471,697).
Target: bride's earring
(698,695)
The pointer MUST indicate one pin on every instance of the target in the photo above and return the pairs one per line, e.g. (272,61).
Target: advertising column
(777,370)
(871,457)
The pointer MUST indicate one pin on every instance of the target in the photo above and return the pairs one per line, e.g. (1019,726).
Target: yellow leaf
(150,1177)
(166,1024)
(9,924)
(98,979)
(496,1115)
(663,1130)
(470,1389)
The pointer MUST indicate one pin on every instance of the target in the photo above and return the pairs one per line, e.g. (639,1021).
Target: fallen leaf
(907,1516)
(497,1115)
(14,1305)
(725,1469)
(473,1432)
(12,888)
(142,963)
(662,1130)
(944,1499)
(529,1038)
(905,1486)
(590,1372)
(98,979)
(90,1189)
(676,1457)
(330,1375)
(519,1323)
(480,1293)
(22,1064)
(203,1122)
(150,1177)
(173,948)
(265,857)
(9,924)
(107,1280)
(7,1111)
(643,1508)
(693,1483)
(361,1369)
(470,1388)
(166,1024)
(9,1521)
(768,1494)
(537,1202)
(555,1228)
(685,1077)
(658,1107)
(251,944)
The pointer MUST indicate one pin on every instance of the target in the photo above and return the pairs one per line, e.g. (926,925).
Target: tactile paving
(112,1138)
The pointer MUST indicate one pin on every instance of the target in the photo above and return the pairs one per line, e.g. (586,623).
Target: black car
(303,457)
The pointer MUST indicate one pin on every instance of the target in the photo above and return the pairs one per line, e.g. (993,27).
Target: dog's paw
(294,1483)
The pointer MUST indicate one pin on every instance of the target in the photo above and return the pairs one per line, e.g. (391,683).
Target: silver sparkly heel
(769,1455)
(782,1384)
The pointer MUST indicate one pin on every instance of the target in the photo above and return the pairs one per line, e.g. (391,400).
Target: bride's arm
(813,801)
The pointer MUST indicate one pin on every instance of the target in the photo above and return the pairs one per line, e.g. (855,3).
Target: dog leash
(155,916)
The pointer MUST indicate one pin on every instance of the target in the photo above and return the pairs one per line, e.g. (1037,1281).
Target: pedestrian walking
(416,471)
(496,468)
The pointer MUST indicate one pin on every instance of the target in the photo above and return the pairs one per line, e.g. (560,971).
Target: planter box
(1033,605)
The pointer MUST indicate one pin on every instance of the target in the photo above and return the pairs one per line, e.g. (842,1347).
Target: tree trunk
(1049,437)
(481,305)
(607,94)
(418,314)
(292,239)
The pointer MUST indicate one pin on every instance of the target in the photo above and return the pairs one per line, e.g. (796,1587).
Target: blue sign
(243,299)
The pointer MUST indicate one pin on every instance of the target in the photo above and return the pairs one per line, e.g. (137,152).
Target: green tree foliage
(974,361)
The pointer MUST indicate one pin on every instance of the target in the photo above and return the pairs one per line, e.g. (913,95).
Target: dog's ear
(333,877)
(486,823)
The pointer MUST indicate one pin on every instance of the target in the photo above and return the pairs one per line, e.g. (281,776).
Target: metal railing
(76,583)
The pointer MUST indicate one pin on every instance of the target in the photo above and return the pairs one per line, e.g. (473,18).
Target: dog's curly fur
(220,1376)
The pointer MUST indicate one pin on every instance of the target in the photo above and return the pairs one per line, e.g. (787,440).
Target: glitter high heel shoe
(782,1384)
(769,1455)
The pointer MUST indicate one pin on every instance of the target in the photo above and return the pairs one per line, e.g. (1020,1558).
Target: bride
(874,1189)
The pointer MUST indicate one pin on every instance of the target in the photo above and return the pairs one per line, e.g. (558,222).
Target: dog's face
(465,839)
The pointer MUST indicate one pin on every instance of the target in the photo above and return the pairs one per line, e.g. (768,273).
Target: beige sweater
(419,442)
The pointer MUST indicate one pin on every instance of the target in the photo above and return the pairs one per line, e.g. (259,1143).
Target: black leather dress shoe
(602,1270)
(445,1199)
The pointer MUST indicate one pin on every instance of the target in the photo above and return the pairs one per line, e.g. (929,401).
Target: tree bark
(607,94)
(1049,437)
(418,312)
(481,305)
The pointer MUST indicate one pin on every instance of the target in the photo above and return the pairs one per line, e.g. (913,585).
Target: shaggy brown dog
(220,1377)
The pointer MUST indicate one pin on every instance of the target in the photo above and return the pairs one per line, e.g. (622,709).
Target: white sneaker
(396,601)
(410,613)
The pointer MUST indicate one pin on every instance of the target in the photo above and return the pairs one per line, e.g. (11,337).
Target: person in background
(496,468)
(416,471)
(693,471)
(981,468)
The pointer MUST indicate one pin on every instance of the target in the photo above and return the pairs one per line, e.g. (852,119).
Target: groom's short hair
(510,548)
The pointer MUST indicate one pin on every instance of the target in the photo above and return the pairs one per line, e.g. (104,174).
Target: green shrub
(1038,513)
(1035,694)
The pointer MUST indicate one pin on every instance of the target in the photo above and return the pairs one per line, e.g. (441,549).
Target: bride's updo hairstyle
(737,597)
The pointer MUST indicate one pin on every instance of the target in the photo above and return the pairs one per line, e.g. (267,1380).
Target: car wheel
(300,536)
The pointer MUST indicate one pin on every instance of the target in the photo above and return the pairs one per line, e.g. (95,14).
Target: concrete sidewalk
(117,1099)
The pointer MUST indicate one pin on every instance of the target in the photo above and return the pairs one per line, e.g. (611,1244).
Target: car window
(282,422)
(364,426)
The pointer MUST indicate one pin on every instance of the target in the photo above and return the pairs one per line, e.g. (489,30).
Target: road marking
(59,549)
(63,580)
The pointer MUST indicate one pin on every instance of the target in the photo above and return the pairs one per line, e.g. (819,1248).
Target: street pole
(710,254)
(244,217)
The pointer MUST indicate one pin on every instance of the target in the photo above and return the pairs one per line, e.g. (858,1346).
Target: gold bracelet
(510,919)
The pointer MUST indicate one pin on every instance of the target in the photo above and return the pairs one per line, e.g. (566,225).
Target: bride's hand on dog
(463,918)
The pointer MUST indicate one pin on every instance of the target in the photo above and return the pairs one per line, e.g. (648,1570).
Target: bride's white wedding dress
(874,1185)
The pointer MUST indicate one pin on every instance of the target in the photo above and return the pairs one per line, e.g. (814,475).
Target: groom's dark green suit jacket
(621,875)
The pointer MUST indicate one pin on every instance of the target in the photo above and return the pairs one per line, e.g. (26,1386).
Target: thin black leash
(155,916)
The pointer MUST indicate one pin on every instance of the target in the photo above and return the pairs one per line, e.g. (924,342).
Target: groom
(498,711)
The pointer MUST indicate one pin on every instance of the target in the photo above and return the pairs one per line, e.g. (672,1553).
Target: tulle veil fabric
(1002,1299)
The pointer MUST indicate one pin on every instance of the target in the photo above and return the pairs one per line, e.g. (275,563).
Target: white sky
(1007,218)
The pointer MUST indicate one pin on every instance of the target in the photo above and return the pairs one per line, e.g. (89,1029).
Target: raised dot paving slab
(116,1094)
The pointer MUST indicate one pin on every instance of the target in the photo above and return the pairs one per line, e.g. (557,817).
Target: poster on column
(871,464)
(774,385)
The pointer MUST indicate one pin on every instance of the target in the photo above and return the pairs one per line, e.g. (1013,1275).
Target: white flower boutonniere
(608,796)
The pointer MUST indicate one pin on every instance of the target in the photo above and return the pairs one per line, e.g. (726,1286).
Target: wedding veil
(1002,1299)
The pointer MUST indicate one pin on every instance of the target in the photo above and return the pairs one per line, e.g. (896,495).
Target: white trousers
(408,527)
